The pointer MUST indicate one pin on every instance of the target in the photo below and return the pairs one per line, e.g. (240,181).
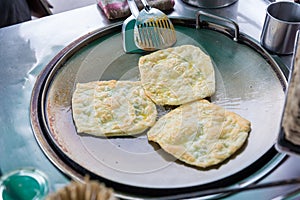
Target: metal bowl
(210,3)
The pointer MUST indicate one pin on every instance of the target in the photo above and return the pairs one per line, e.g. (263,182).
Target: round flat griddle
(248,82)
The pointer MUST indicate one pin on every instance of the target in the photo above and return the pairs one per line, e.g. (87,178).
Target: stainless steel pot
(209,3)
(280,27)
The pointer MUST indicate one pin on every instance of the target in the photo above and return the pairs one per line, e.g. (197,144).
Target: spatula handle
(133,8)
(146,5)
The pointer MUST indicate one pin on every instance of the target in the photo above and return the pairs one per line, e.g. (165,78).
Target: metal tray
(283,144)
(248,82)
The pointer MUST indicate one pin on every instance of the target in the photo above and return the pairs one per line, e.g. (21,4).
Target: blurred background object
(17,11)
(39,8)
(89,190)
(65,5)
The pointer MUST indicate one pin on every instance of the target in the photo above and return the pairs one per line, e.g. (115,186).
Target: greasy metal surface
(246,84)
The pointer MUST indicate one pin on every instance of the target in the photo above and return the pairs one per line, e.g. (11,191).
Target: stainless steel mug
(281,24)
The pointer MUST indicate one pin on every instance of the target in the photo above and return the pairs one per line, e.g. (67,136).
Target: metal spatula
(153,29)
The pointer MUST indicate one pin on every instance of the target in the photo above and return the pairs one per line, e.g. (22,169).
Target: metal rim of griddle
(259,169)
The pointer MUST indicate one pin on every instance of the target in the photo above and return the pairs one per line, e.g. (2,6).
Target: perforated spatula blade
(153,29)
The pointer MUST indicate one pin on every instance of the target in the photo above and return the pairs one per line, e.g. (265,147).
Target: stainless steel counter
(26,48)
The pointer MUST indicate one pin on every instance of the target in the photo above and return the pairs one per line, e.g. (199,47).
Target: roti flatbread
(200,133)
(112,108)
(177,75)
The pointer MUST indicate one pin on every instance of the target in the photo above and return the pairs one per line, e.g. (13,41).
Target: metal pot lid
(248,82)
(210,3)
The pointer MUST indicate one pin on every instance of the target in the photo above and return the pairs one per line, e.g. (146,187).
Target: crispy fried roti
(177,75)
(200,133)
(112,108)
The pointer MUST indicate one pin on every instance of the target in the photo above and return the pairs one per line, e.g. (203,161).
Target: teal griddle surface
(248,82)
